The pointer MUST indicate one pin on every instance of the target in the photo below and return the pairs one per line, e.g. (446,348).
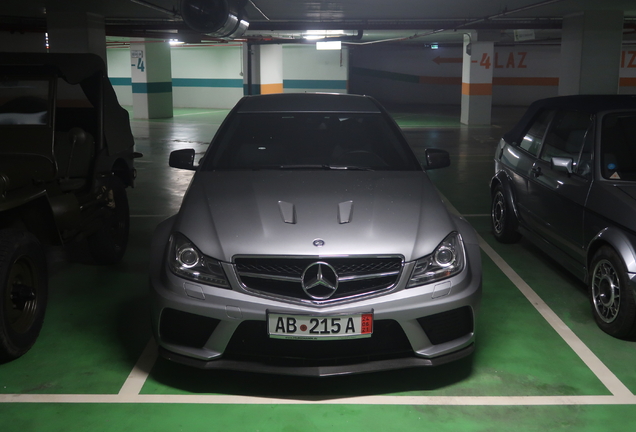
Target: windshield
(618,146)
(310,141)
(24,102)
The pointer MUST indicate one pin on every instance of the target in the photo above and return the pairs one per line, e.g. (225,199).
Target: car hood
(227,213)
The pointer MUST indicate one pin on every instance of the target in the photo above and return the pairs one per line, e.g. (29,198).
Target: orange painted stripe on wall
(627,82)
(476,89)
(271,88)
(526,81)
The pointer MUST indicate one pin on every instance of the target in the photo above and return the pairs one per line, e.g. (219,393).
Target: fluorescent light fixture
(329,45)
(321,34)
(176,42)
(434,46)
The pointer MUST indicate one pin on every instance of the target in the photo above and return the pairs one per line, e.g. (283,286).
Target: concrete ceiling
(371,21)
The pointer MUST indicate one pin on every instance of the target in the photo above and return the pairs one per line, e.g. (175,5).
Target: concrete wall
(202,77)
(521,74)
(306,69)
(211,77)
(208,76)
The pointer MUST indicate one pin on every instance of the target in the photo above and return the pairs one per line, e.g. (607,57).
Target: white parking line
(129,392)
(602,372)
(135,381)
(316,400)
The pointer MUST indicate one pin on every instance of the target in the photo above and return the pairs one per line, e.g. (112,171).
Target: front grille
(251,342)
(282,277)
(447,326)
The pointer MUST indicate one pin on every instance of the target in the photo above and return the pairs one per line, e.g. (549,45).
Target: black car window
(566,138)
(310,141)
(533,139)
(618,146)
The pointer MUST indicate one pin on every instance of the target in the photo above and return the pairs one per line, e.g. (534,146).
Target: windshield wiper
(324,167)
(350,168)
(304,166)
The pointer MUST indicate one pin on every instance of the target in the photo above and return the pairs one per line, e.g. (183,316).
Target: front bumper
(216,328)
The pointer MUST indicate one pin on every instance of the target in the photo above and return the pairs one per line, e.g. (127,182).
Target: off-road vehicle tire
(23,292)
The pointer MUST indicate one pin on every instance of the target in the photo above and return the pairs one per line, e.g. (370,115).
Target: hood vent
(345,211)
(287,211)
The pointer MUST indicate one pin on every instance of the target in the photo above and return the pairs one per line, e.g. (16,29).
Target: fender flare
(619,241)
(501,178)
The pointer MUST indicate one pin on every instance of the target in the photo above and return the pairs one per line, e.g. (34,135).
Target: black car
(565,178)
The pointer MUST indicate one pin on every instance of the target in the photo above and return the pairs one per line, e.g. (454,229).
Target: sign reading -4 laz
(284,326)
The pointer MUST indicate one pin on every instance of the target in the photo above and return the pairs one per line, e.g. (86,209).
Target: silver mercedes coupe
(312,242)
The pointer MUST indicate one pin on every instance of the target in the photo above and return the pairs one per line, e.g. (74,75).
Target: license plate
(353,326)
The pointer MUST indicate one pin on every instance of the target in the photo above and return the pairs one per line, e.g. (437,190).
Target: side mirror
(183,159)
(562,164)
(436,158)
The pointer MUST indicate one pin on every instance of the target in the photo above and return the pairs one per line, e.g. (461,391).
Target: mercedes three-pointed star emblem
(320,281)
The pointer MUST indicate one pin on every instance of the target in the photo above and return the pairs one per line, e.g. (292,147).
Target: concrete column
(151,79)
(591,53)
(477,70)
(265,64)
(76,32)
(271,69)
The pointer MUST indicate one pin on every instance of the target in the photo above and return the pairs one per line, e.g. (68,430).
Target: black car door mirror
(183,159)
(436,158)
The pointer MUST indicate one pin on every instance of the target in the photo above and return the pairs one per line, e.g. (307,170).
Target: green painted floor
(90,369)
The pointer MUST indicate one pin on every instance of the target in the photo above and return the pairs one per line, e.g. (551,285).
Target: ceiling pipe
(153,6)
(467,25)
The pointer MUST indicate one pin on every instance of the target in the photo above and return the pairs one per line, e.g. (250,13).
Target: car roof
(584,103)
(73,67)
(308,102)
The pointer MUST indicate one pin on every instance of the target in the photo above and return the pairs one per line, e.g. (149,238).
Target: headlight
(187,261)
(446,260)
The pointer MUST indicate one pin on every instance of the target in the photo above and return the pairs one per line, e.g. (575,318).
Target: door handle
(536,171)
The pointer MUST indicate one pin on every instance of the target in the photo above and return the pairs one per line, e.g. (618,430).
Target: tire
(502,217)
(108,243)
(23,292)
(611,297)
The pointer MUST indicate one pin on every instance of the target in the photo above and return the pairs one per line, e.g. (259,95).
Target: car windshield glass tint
(618,146)
(24,102)
(310,141)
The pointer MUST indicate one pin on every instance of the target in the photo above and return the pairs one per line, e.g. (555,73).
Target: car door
(559,182)
(519,158)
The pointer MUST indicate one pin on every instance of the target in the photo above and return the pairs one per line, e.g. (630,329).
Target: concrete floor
(541,363)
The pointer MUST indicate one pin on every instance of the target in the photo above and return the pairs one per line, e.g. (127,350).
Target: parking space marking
(602,372)
(130,391)
(137,378)
(598,368)
(326,400)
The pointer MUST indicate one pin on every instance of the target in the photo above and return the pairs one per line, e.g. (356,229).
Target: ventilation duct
(217,18)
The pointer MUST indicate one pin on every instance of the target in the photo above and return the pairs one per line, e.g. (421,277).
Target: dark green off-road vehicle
(66,158)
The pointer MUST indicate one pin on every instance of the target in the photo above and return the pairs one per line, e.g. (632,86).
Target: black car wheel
(611,296)
(503,218)
(23,294)
(108,244)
